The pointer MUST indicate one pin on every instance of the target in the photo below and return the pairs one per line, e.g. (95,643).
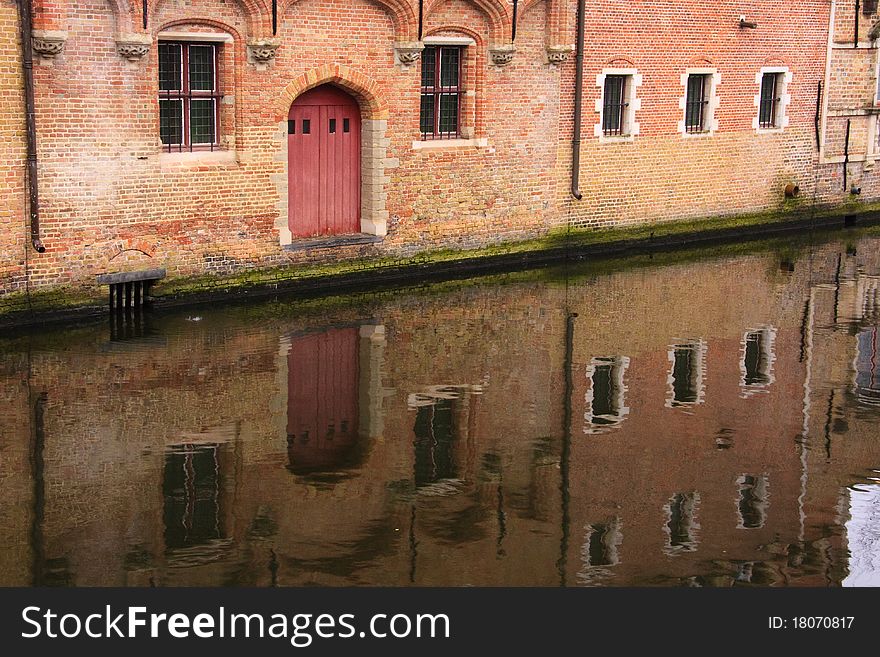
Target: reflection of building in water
(431,448)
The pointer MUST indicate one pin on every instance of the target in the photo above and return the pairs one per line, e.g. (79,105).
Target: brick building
(216,136)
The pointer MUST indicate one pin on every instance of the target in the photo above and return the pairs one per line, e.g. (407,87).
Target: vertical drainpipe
(578,104)
(27,62)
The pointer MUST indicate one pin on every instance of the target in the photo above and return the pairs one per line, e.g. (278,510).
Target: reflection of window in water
(688,360)
(434,443)
(605,399)
(192,495)
(757,359)
(600,550)
(868,367)
(681,522)
(752,502)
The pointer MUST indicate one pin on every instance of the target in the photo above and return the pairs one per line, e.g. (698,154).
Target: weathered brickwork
(113,200)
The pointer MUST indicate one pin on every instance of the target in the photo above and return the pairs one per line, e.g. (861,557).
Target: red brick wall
(113,201)
(13,231)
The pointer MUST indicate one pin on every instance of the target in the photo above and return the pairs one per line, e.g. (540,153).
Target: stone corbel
(558,54)
(502,55)
(407,53)
(262,51)
(133,47)
(48,44)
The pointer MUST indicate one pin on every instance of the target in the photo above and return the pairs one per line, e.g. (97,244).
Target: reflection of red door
(324,163)
(322,399)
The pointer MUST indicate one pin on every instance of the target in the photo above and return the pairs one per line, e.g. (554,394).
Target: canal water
(691,419)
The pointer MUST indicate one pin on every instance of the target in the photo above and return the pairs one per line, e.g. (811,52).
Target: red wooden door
(324,163)
(322,400)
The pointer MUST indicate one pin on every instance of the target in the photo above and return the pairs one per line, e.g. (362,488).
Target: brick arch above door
(374,144)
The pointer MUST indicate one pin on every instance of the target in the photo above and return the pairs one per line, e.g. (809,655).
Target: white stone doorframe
(374,162)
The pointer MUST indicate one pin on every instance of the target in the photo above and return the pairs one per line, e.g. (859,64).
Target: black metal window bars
(768,111)
(615,106)
(189,96)
(696,103)
(440,105)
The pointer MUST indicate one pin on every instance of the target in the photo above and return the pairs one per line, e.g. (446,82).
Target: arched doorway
(324,163)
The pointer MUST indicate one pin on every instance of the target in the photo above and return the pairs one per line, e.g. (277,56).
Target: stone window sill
(197,158)
(445,144)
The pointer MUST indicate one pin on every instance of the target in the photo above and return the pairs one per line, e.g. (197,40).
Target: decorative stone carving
(502,55)
(133,47)
(558,54)
(262,51)
(408,52)
(48,44)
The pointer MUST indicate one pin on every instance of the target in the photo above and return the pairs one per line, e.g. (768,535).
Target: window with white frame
(773,98)
(699,102)
(618,104)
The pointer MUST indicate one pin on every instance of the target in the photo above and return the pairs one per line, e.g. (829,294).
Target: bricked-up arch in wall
(500,19)
(403,16)
(257,14)
(374,146)
(557,27)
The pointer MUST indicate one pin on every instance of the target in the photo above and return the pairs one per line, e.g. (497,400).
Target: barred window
(440,111)
(189,96)
(697,103)
(771,87)
(615,105)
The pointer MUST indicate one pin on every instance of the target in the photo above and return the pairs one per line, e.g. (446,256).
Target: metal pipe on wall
(578,103)
(27,64)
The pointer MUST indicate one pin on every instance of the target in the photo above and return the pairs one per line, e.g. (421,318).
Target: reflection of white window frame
(762,492)
(768,352)
(613,537)
(594,424)
(692,508)
(700,347)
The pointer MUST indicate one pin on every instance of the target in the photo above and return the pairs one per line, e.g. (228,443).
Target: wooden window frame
(436,91)
(186,95)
